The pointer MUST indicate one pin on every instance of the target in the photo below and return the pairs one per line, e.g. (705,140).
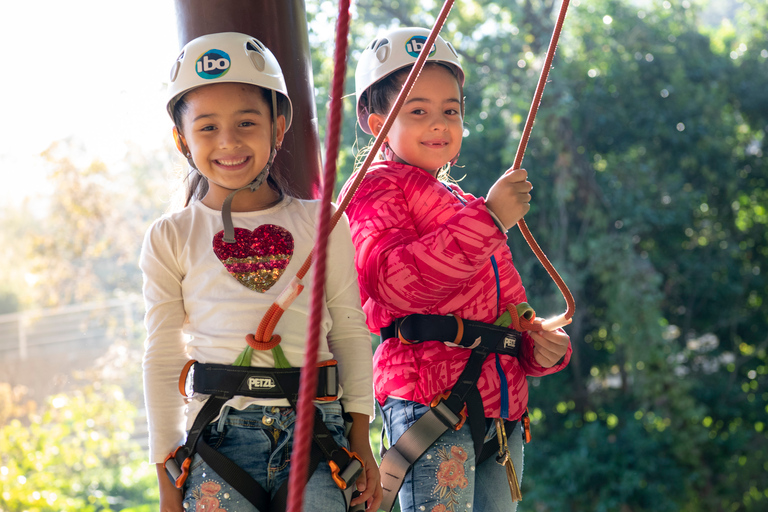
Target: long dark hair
(197,184)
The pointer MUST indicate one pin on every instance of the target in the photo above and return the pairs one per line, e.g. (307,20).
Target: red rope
(567,295)
(305,409)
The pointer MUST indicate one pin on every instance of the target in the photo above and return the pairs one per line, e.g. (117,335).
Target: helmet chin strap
(226,207)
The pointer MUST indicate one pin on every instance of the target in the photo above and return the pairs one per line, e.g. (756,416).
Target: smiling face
(428,129)
(228,130)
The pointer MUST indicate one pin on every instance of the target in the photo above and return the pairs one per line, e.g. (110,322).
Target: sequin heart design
(257,258)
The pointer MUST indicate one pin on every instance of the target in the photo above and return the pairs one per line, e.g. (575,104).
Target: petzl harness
(448,410)
(223,382)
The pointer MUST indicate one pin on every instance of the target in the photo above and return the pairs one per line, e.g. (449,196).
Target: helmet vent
(175,70)
(382,49)
(258,61)
(255,46)
(256,54)
(450,46)
(373,44)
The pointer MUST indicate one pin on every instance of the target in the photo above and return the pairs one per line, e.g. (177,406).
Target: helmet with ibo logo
(395,50)
(228,57)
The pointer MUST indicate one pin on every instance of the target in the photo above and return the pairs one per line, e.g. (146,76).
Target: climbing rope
(565,318)
(308,384)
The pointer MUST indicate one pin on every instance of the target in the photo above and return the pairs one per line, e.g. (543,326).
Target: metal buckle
(445,414)
(331,391)
(186,380)
(398,323)
(350,473)
(177,474)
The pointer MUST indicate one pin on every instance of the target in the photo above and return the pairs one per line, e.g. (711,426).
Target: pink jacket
(421,250)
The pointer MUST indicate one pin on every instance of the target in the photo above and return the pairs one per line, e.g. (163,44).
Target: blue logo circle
(414,45)
(212,64)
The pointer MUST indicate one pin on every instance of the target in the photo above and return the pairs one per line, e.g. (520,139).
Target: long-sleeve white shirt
(196,310)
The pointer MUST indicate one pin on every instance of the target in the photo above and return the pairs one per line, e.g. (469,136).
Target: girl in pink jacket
(426,249)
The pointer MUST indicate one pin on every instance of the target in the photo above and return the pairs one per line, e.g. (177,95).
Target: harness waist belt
(454,330)
(226,381)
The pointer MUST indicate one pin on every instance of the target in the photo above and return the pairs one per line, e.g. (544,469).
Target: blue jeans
(259,439)
(445,478)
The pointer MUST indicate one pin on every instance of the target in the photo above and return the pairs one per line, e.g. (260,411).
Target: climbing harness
(222,382)
(453,331)
(448,410)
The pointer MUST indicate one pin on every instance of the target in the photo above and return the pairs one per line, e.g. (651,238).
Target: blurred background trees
(650,197)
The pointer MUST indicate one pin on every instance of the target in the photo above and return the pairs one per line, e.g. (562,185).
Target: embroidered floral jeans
(445,478)
(259,439)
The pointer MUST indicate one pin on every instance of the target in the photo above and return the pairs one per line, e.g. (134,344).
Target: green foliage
(75,455)
(650,194)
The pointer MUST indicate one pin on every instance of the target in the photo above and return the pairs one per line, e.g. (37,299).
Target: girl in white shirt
(204,293)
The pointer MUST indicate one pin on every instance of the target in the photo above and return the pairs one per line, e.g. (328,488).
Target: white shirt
(196,310)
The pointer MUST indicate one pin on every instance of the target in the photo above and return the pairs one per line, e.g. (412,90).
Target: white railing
(69,327)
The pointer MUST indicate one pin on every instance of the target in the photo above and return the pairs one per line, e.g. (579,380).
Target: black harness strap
(235,476)
(417,328)
(223,382)
(447,411)
(226,380)
(177,463)
(280,501)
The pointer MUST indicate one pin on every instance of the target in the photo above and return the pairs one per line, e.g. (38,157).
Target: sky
(91,70)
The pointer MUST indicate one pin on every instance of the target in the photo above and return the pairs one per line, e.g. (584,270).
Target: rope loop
(262,345)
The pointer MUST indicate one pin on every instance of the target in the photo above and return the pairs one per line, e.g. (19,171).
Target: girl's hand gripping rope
(549,346)
(509,198)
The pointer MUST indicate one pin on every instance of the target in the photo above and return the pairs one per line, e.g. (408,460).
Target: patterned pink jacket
(421,250)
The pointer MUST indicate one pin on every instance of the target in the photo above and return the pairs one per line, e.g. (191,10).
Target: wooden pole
(282,26)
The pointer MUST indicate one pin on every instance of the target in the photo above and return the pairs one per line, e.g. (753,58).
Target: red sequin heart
(257,258)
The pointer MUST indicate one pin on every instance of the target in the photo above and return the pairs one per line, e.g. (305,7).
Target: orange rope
(266,327)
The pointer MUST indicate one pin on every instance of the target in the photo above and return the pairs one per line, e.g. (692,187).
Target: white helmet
(228,57)
(395,50)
